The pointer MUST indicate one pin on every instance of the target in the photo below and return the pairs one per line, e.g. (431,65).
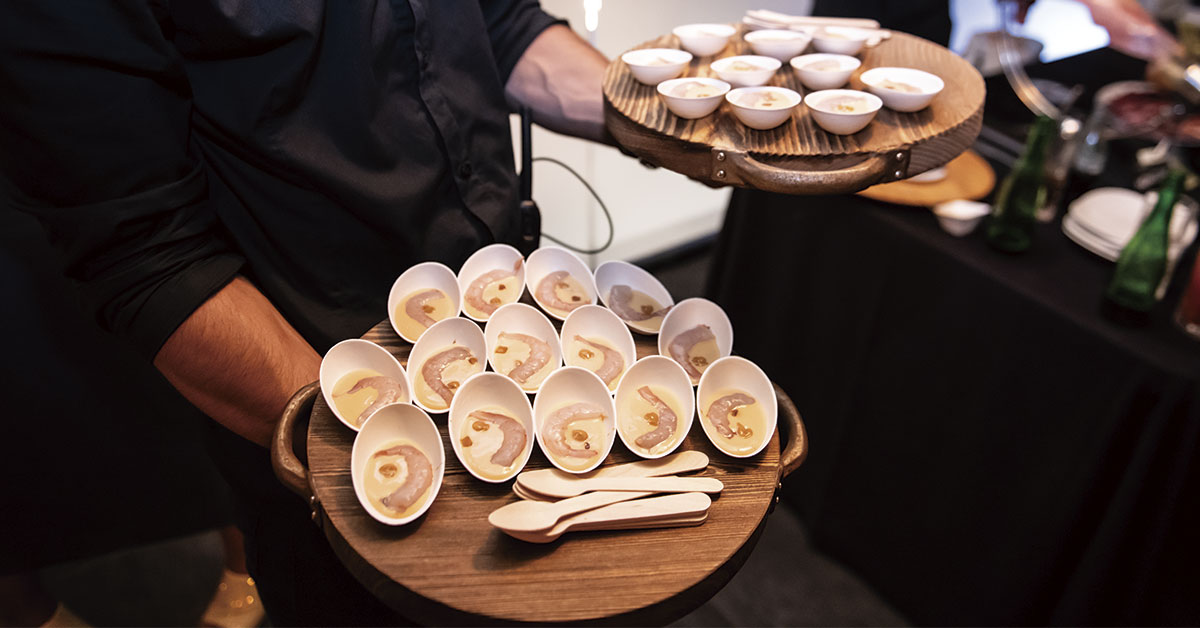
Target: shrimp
(388,389)
(554,433)
(433,367)
(539,356)
(618,301)
(666,421)
(416,482)
(613,362)
(514,436)
(474,294)
(718,412)
(546,294)
(681,344)
(415,307)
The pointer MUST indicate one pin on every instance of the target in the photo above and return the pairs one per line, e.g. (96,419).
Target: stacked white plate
(1103,221)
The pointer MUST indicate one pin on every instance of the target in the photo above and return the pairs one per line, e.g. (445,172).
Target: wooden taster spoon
(652,512)
(559,487)
(528,516)
(681,462)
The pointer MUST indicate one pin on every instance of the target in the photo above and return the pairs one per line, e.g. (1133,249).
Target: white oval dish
(566,386)
(350,355)
(841,40)
(443,335)
(652,66)
(780,44)
(740,374)
(660,372)
(838,122)
(688,314)
(398,422)
(728,69)
(818,79)
(616,273)
(483,391)
(419,277)
(494,257)
(704,40)
(759,117)
(929,85)
(960,217)
(550,259)
(597,323)
(692,107)
(518,318)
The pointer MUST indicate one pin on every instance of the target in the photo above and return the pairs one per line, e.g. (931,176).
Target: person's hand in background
(1131,29)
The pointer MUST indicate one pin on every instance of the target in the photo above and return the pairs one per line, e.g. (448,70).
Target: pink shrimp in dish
(420,476)
(433,367)
(549,298)
(619,302)
(474,295)
(388,390)
(539,356)
(417,308)
(683,343)
(514,436)
(613,362)
(666,421)
(554,433)
(718,412)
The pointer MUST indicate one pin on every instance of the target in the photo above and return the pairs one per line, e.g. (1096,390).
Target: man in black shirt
(235,185)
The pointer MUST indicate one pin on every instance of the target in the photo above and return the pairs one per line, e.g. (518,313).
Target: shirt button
(465,170)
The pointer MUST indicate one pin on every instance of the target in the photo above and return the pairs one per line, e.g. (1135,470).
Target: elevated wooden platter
(452,567)
(798,157)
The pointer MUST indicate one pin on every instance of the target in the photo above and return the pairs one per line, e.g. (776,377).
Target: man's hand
(560,79)
(238,361)
(1131,29)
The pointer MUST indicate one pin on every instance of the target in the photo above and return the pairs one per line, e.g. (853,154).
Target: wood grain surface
(451,566)
(906,143)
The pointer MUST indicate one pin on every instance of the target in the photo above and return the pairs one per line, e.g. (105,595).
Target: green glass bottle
(1022,192)
(1143,261)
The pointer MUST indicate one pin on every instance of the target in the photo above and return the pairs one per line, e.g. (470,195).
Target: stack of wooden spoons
(619,497)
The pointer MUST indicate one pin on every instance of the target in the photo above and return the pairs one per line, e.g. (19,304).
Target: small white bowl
(692,107)
(841,40)
(816,79)
(444,335)
(728,69)
(500,258)
(617,273)
(597,324)
(737,374)
(420,277)
(687,315)
(652,66)
(762,118)
(958,218)
(897,99)
(550,259)
(704,40)
(664,374)
(351,355)
(820,104)
(518,318)
(481,392)
(570,385)
(780,44)
(404,422)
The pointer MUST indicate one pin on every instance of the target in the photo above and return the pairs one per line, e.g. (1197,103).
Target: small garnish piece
(494,301)
(579,435)
(502,287)
(466,441)
(472,360)
(388,470)
(647,309)
(502,349)
(428,309)
(744,431)
(699,360)
(452,385)
(480,426)
(575,297)
(586,354)
(651,418)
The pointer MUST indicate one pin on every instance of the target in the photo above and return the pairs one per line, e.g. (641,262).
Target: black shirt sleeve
(513,25)
(94,130)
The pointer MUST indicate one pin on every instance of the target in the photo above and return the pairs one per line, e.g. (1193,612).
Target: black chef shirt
(318,147)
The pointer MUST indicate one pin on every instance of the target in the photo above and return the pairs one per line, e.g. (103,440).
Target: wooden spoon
(560,487)
(681,462)
(528,516)
(660,512)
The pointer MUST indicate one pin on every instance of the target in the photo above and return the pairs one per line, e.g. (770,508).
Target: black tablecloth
(986,448)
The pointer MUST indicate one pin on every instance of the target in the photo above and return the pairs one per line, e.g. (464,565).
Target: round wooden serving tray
(798,157)
(451,567)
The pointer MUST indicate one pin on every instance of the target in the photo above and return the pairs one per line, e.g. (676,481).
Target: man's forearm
(559,78)
(238,361)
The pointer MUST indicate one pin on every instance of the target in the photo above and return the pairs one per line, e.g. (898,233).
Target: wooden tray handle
(791,428)
(288,467)
(742,169)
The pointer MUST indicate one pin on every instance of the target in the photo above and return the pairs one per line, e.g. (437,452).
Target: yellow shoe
(235,604)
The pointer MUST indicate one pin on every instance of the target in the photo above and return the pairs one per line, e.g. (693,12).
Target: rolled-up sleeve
(94,135)
(512,25)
